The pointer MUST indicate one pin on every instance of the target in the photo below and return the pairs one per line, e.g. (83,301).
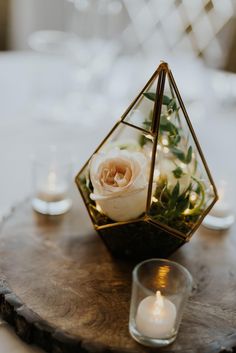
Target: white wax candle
(221,209)
(52,190)
(156,316)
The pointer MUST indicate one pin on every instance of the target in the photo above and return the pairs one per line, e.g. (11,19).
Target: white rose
(120,181)
(166,168)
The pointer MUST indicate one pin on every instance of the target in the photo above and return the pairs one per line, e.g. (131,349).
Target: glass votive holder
(52,178)
(221,217)
(160,290)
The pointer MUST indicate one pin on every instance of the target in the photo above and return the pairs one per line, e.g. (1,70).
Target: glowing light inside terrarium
(166,150)
(164,141)
(193,196)
(154,199)
(187,212)
(98,208)
(150,137)
(156,174)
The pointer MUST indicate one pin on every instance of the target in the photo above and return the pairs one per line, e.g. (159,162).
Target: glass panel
(141,113)
(181,189)
(115,181)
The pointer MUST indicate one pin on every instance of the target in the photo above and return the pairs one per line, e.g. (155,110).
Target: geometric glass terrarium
(147,187)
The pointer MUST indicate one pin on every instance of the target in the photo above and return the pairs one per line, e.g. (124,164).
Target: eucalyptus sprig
(185,158)
(172,207)
(169,102)
(166,126)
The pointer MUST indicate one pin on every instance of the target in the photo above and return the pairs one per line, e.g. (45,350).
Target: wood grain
(61,289)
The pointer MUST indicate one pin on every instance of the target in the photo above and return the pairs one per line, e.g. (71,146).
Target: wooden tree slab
(61,289)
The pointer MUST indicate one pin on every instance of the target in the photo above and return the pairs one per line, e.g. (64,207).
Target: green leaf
(172,104)
(142,140)
(147,123)
(166,100)
(198,189)
(175,192)
(179,154)
(173,197)
(175,140)
(189,155)
(182,204)
(178,172)
(166,125)
(150,95)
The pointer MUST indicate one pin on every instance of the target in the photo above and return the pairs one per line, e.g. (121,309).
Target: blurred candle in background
(221,216)
(52,178)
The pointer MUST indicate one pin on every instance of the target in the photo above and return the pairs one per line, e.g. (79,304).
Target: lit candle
(156,316)
(52,190)
(221,209)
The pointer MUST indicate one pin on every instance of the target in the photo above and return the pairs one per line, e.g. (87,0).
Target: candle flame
(159,304)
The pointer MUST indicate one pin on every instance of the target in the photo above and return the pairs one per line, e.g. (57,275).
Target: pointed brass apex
(163,65)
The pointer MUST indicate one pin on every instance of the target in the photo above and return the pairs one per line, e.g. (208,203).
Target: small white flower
(166,168)
(120,182)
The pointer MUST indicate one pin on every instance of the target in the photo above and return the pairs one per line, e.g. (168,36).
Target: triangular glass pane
(114,182)
(140,115)
(182,189)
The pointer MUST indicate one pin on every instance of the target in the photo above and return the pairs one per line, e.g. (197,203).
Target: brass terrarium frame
(161,73)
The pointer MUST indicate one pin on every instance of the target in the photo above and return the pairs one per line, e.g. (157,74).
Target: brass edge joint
(164,65)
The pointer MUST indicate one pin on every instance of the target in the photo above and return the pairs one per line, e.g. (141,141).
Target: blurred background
(100,39)
(115,38)
(204,28)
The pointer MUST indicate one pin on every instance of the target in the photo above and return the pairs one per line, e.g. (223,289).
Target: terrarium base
(139,241)
(61,289)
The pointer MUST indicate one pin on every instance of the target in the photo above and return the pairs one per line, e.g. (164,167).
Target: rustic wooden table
(62,290)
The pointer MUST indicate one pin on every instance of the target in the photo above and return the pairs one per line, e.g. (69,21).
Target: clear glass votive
(52,178)
(221,217)
(159,293)
(215,222)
